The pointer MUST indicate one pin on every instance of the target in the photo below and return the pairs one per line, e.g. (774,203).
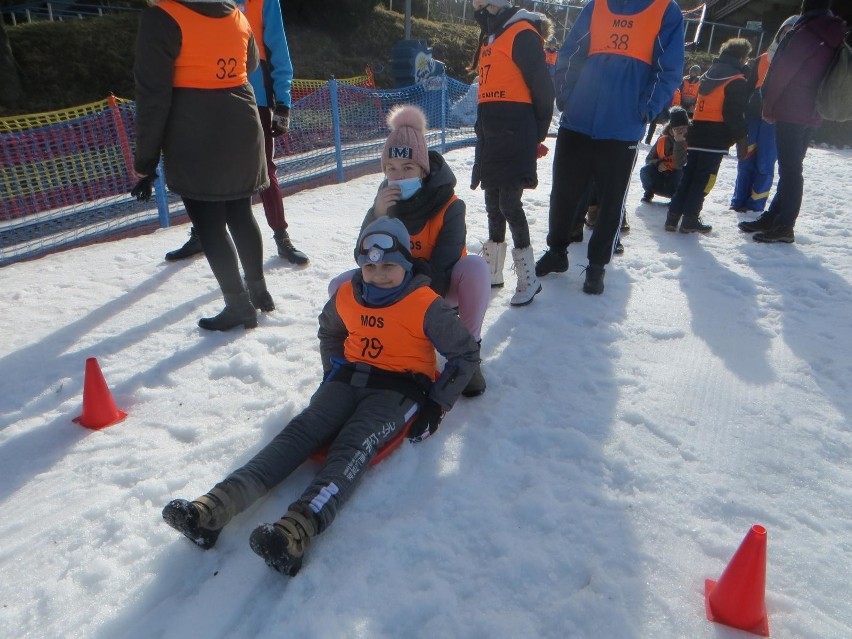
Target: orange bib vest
(689,89)
(392,337)
(500,79)
(667,160)
(708,108)
(423,242)
(633,36)
(762,68)
(253,11)
(550,57)
(213,52)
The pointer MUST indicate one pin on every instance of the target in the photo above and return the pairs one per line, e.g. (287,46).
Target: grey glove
(280,120)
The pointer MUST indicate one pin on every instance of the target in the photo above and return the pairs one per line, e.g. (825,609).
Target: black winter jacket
(719,136)
(508,133)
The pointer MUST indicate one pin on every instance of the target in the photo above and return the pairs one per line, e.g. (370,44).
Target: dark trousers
(212,221)
(504,206)
(699,176)
(578,161)
(791,141)
(273,204)
(659,182)
(353,422)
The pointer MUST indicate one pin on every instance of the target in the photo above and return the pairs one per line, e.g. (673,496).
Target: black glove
(280,120)
(426,422)
(144,188)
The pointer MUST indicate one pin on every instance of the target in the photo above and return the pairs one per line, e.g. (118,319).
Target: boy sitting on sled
(378,334)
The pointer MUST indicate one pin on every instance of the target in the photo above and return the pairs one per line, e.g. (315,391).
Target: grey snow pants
(354,422)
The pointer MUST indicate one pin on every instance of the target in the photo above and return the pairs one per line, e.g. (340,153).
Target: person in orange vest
(756,172)
(617,70)
(271,81)
(195,105)
(688,91)
(718,122)
(664,163)
(513,117)
(378,336)
(419,190)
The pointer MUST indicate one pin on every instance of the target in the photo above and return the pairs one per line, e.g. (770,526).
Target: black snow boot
(192,247)
(765,222)
(553,261)
(260,297)
(594,284)
(577,232)
(672,220)
(238,310)
(777,234)
(287,250)
(476,386)
(282,545)
(202,519)
(694,225)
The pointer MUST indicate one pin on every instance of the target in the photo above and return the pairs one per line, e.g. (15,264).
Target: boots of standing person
(495,255)
(238,310)
(528,285)
(287,250)
(190,248)
(260,297)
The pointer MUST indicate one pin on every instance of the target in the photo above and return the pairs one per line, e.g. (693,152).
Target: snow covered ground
(625,445)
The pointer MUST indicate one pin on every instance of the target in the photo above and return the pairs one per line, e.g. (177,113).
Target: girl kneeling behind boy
(419,191)
(378,334)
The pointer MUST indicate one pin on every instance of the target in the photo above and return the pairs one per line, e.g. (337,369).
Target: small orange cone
(737,599)
(99,410)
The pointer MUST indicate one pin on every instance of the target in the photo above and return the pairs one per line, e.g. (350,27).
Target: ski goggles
(375,245)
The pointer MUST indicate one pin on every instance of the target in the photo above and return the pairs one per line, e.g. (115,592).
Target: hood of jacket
(507,17)
(723,69)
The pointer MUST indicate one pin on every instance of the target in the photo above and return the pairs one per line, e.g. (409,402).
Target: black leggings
(212,221)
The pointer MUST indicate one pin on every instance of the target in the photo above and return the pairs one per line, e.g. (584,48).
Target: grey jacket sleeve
(332,334)
(679,153)
(452,340)
(448,248)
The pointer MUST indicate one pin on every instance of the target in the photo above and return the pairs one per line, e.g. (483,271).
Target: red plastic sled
(392,444)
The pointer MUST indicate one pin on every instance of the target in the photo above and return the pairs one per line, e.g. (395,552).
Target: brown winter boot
(592,216)
(282,545)
(202,519)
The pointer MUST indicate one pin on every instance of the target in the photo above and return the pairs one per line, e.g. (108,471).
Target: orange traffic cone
(737,599)
(99,410)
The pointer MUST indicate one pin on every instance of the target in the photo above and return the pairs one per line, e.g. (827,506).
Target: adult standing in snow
(378,334)
(789,100)
(619,67)
(513,117)
(195,104)
(756,172)
(688,92)
(271,81)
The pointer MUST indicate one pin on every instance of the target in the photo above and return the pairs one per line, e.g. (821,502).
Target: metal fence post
(444,109)
(160,196)
(335,119)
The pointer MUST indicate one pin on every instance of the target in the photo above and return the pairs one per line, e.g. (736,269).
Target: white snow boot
(495,254)
(528,285)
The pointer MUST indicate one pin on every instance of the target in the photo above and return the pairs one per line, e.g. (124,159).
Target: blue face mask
(409,186)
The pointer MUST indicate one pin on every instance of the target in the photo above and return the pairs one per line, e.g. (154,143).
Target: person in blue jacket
(271,82)
(617,70)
